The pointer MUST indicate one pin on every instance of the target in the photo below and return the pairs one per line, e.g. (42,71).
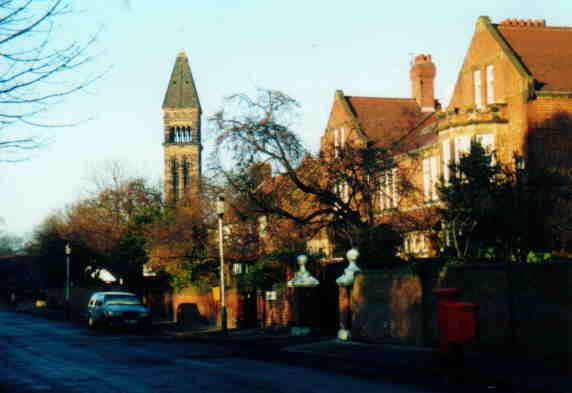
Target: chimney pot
(422,77)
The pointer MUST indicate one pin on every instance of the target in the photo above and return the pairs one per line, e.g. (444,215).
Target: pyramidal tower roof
(181,92)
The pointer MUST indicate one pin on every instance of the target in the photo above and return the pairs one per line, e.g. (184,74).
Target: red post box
(444,297)
(462,322)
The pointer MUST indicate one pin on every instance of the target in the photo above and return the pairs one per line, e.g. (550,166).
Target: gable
(487,48)
(339,113)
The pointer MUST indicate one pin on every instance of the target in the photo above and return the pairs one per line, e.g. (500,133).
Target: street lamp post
(220,207)
(68,253)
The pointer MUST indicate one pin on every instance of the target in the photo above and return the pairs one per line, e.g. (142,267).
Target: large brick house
(513,94)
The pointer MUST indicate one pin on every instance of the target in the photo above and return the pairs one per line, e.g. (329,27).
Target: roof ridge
(384,98)
(532,28)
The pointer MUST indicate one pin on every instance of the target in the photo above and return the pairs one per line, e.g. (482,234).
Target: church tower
(182,134)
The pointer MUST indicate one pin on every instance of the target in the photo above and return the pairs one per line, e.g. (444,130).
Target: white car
(117,309)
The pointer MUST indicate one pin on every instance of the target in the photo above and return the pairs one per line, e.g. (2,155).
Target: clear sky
(308,49)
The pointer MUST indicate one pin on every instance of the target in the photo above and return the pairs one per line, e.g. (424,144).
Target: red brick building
(513,94)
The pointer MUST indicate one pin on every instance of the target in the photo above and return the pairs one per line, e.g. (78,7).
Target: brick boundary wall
(401,308)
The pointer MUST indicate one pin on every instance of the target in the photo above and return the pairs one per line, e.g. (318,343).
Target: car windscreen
(121,299)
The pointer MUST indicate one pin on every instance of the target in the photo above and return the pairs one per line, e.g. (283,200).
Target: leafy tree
(498,212)
(112,224)
(180,245)
(107,228)
(468,199)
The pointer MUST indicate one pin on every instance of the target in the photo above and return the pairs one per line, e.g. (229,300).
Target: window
(490,84)
(433,171)
(430,178)
(446,159)
(339,139)
(185,168)
(477,88)
(262,226)
(388,190)
(462,146)
(487,141)
(175,177)
(237,268)
(343,191)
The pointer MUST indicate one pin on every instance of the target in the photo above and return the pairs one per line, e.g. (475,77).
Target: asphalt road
(39,355)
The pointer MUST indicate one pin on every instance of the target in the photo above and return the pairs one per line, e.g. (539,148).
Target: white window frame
(490,75)
(477,87)
(388,195)
(487,141)
(462,146)
(262,226)
(430,178)
(426,180)
(446,159)
(433,172)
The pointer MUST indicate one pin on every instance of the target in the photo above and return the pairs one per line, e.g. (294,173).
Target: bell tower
(182,134)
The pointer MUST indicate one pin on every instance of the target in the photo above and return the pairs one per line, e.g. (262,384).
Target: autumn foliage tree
(112,223)
(180,245)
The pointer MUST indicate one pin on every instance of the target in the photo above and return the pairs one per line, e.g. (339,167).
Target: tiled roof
(181,92)
(425,134)
(386,120)
(545,51)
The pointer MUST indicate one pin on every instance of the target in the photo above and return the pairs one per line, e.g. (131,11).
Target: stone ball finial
(348,277)
(352,255)
(303,278)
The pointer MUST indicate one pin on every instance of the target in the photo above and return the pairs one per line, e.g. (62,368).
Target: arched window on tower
(171,137)
(175,177)
(186,173)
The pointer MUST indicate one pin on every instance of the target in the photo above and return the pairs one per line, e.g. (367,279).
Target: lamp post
(220,207)
(68,253)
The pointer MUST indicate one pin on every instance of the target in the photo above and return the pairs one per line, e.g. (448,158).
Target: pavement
(421,366)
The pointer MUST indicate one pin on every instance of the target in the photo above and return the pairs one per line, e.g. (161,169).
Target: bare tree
(39,68)
(334,191)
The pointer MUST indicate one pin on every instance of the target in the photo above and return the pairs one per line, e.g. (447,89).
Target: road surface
(39,355)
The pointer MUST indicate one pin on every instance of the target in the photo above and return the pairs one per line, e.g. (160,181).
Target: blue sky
(308,49)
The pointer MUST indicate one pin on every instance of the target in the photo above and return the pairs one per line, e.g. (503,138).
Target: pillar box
(462,322)
(444,297)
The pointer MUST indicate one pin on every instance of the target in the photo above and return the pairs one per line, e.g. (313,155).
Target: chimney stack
(422,76)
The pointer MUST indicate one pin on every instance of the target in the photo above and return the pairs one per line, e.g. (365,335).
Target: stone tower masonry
(182,134)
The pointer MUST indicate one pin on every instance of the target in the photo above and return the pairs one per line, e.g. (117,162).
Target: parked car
(117,309)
